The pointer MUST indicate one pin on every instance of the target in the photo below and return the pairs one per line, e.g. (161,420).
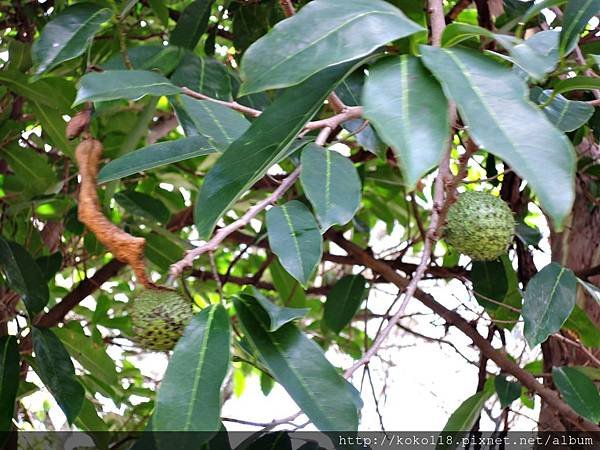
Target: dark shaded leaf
(577,14)
(9,380)
(507,391)
(300,366)
(54,367)
(578,391)
(490,283)
(203,74)
(192,23)
(343,301)
(143,205)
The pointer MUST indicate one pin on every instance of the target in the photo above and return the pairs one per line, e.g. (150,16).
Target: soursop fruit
(480,225)
(159,318)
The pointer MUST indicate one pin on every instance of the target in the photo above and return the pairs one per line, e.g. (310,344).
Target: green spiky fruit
(480,226)
(159,318)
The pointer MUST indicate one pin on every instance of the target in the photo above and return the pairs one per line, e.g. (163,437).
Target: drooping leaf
(143,205)
(278,315)
(9,381)
(88,353)
(548,302)
(54,367)
(586,330)
(219,124)
(24,276)
(462,419)
(575,84)
(125,84)
(490,283)
(261,146)
(409,111)
(333,32)
(192,23)
(295,238)
(89,420)
(577,14)
(332,185)
(189,398)
(289,290)
(343,301)
(578,391)
(566,115)
(508,391)
(148,57)
(300,366)
(155,155)
(496,123)
(203,74)
(49,265)
(54,92)
(507,315)
(68,35)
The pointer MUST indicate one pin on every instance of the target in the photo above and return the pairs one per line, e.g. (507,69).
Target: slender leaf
(189,398)
(507,391)
(155,155)
(295,238)
(409,111)
(68,35)
(262,145)
(278,316)
(576,84)
(332,185)
(51,91)
(343,301)
(24,276)
(143,205)
(496,123)
(203,74)
(300,366)
(54,367)
(192,23)
(577,15)
(578,391)
(219,124)
(566,115)
(462,420)
(9,380)
(289,290)
(31,169)
(548,302)
(88,353)
(161,10)
(490,283)
(333,32)
(537,8)
(126,84)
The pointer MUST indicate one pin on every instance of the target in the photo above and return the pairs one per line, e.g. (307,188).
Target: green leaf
(162,251)
(24,276)
(331,183)
(54,367)
(566,115)
(155,155)
(262,145)
(49,265)
(252,20)
(88,353)
(203,74)
(295,238)
(219,124)
(143,206)
(289,290)
(592,290)
(462,419)
(507,314)
(189,398)
(548,302)
(89,420)
(332,32)
(68,35)
(31,169)
(496,123)
(266,383)
(126,84)
(586,330)
(300,366)
(343,301)
(534,10)
(578,391)
(161,10)
(490,283)
(414,120)
(507,391)
(51,91)
(577,14)
(148,57)
(9,381)
(278,316)
(191,24)
(54,127)
(591,372)
(576,84)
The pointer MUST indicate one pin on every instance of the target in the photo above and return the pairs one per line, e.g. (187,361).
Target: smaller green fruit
(159,318)
(480,226)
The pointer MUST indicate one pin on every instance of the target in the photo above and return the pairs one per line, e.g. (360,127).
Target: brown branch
(452,318)
(459,7)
